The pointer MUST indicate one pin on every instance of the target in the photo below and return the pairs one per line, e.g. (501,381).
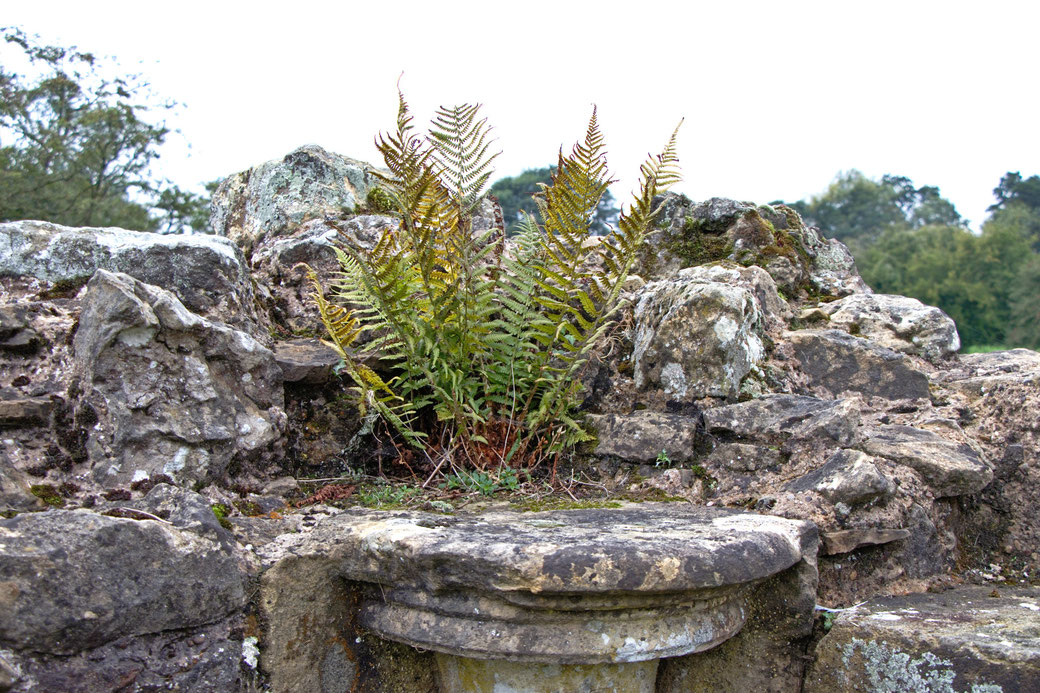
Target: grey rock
(207,273)
(982,373)
(836,362)
(200,660)
(73,580)
(948,467)
(897,322)
(833,270)
(846,540)
(742,457)
(16,336)
(967,639)
(848,476)
(278,196)
(175,393)
(774,238)
(781,417)
(641,436)
(305,360)
(25,411)
(185,510)
(695,337)
(15,495)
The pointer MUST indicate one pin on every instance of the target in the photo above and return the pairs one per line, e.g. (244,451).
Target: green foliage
(221,512)
(48,494)
(484,344)
(483,482)
(1025,305)
(1013,189)
(662,460)
(910,241)
(78,147)
(517,195)
(968,276)
(378,201)
(857,209)
(386,496)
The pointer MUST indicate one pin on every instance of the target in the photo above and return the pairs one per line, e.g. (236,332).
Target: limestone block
(977,639)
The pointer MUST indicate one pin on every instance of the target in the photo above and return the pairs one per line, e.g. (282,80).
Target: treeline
(912,241)
(77,147)
(515,194)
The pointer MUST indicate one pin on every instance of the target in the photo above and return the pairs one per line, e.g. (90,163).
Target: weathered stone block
(977,639)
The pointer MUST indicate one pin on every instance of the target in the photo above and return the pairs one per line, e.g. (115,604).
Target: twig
(847,608)
(148,516)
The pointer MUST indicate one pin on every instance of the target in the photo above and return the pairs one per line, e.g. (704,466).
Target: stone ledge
(568,588)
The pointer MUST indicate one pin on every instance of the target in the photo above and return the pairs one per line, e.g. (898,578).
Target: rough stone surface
(16,335)
(14,489)
(306,361)
(707,547)
(741,457)
(768,654)
(207,273)
(279,264)
(184,510)
(833,270)
(278,196)
(531,578)
(848,476)
(774,238)
(996,397)
(786,416)
(695,337)
(641,436)
(174,393)
(846,540)
(896,322)
(950,468)
(206,659)
(979,374)
(834,362)
(73,580)
(968,639)
(29,411)
(315,644)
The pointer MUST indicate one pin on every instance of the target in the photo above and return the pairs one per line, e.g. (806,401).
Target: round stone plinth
(564,588)
(464,675)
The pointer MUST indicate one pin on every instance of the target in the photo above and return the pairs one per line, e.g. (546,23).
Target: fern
(485,343)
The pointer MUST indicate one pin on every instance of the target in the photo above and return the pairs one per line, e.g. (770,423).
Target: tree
(857,209)
(970,277)
(1025,306)
(1018,203)
(1013,189)
(77,147)
(516,194)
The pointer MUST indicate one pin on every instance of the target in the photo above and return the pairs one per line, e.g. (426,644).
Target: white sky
(777,96)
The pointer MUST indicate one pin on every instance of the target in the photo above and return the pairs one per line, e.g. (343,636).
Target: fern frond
(463,152)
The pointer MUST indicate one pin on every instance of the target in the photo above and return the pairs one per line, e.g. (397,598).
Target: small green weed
(386,496)
(221,512)
(486,484)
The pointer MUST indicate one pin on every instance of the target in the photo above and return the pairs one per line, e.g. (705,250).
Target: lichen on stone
(890,670)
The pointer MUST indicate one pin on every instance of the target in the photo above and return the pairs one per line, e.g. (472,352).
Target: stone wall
(145,379)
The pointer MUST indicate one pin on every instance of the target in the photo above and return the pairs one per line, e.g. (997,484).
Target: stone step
(977,639)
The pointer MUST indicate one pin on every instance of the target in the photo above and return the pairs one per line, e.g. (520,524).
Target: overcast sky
(777,96)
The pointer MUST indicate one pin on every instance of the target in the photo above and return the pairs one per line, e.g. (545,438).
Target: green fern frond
(485,345)
(463,152)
